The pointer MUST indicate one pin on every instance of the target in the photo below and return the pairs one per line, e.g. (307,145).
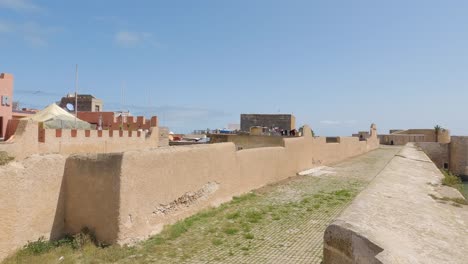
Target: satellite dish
(70,107)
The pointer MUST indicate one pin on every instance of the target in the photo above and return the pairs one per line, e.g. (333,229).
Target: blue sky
(336,65)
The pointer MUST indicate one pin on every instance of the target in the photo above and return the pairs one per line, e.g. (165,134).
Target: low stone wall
(401,218)
(126,197)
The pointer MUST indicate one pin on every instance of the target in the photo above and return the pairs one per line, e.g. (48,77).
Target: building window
(96,108)
(5,100)
(446,166)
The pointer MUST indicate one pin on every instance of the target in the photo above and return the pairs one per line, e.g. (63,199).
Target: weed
(245,197)
(38,247)
(451,180)
(230,230)
(248,236)
(216,241)
(233,215)
(254,216)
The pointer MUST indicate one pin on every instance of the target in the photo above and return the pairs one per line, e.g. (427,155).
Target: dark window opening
(446,166)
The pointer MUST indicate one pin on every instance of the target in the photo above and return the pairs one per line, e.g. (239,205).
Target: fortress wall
(248,141)
(31,199)
(459,155)
(437,152)
(30,139)
(163,185)
(126,197)
(92,188)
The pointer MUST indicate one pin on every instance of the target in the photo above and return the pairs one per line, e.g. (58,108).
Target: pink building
(6,102)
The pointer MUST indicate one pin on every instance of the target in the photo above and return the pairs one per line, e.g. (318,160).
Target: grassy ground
(279,223)
(232,228)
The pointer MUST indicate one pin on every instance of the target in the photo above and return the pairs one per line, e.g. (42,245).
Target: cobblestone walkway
(295,215)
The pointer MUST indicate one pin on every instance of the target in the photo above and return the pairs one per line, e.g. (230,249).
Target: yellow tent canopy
(55,117)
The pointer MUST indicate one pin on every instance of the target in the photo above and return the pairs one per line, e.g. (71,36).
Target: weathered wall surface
(29,140)
(31,201)
(126,197)
(437,152)
(402,137)
(422,230)
(248,141)
(401,140)
(163,185)
(459,155)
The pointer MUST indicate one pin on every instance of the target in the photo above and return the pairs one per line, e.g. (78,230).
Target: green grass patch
(233,215)
(230,230)
(217,241)
(248,236)
(451,180)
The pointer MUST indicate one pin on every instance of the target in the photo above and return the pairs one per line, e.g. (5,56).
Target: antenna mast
(76,93)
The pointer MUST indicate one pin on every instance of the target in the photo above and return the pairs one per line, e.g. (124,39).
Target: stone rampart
(459,155)
(126,197)
(30,138)
(402,217)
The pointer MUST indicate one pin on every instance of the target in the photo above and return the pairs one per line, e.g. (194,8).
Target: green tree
(437,130)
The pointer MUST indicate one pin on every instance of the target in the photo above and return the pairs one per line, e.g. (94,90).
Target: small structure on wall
(86,102)
(284,122)
(401,137)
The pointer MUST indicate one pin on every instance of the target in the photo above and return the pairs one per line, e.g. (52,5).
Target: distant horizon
(338,66)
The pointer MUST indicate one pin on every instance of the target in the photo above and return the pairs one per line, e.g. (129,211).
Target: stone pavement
(293,217)
(405,215)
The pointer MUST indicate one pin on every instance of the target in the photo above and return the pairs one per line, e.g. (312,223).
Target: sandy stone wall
(160,186)
(437,152)
(29,139)
(459,155)
(248,141)
(126,197)
(31,201)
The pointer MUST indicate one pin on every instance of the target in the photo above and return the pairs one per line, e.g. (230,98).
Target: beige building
(401,137)
(86,103)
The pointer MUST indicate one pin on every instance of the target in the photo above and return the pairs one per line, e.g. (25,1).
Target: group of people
(286,132)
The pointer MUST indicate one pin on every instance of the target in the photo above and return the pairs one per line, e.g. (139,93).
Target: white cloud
(130,39)
(19,5)
(32,33)
(330,122)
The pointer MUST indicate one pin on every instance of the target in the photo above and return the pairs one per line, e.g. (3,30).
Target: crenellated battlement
(109,121)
